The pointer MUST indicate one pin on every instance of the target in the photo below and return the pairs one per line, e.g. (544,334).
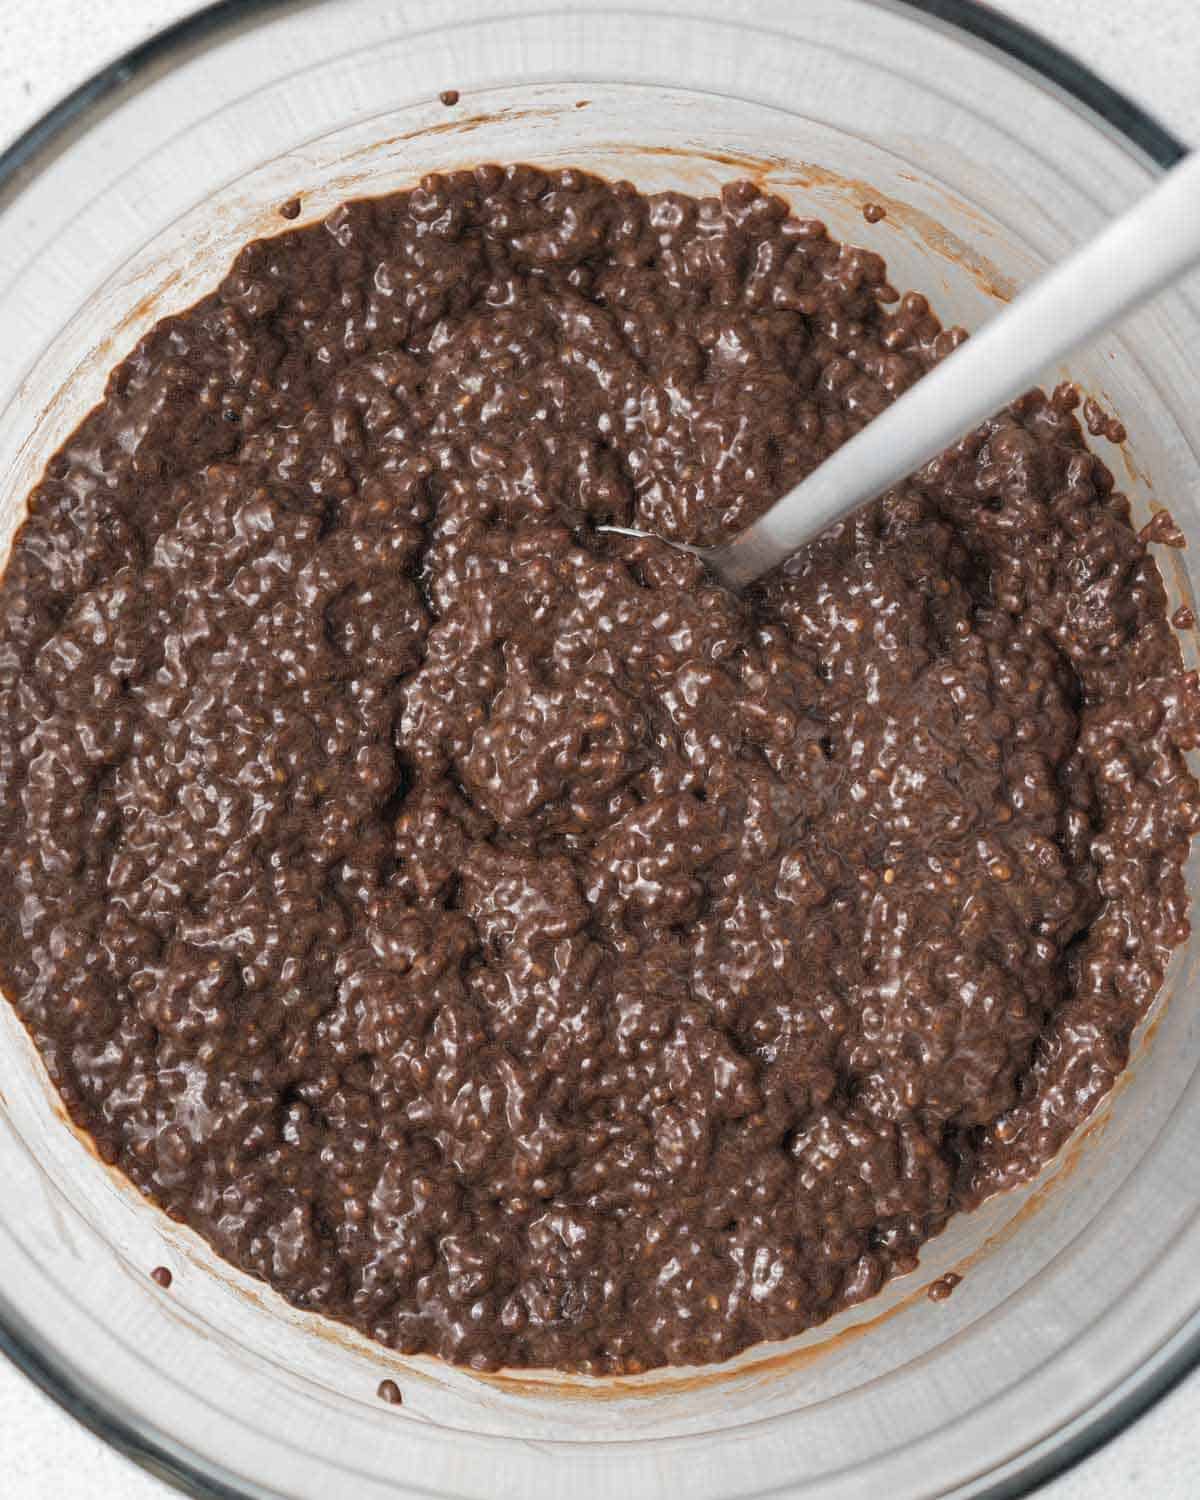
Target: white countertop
(1149,47)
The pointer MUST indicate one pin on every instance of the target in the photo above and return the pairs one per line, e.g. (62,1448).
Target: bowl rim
(1012,42)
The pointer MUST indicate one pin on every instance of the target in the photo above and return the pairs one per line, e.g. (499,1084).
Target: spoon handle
(1133,258)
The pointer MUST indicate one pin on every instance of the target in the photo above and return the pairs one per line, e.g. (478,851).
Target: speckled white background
(1152,49)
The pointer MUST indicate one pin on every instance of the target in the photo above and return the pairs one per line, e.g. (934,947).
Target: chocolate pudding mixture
(493,933)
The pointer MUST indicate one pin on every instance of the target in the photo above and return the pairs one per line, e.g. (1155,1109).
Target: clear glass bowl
(992,153)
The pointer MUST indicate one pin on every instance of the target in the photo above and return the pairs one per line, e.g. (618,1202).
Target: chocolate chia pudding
(491,932)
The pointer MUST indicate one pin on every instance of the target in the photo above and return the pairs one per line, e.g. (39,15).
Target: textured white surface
(46,47)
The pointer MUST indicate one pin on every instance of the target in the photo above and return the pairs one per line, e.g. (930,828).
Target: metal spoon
(1136,256)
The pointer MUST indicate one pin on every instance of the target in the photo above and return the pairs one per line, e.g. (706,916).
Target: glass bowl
(992,153)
